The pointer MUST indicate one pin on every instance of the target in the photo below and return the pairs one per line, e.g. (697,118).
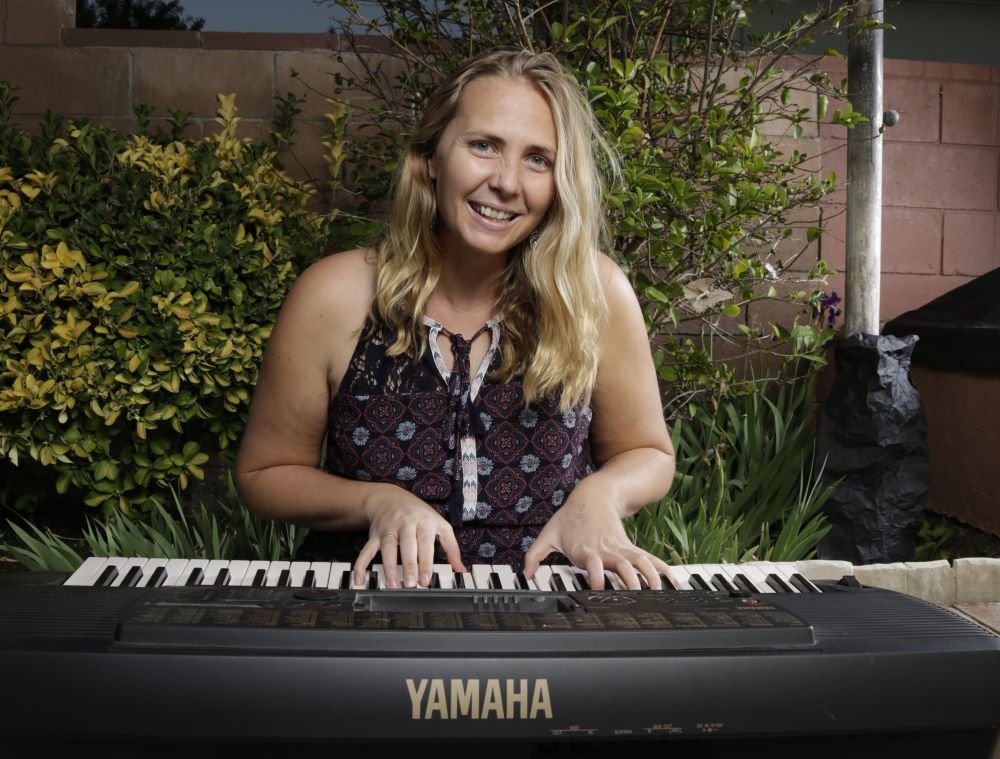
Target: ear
(432,168)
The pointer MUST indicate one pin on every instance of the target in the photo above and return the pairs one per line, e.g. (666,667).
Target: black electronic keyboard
(729,660)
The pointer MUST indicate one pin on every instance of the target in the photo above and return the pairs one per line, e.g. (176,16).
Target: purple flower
(826,310)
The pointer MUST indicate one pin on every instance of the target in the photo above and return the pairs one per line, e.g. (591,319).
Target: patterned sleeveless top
(469,447)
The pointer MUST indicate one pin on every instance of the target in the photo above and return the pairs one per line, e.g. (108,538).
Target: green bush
(141,276)
(228,531)
(746,486)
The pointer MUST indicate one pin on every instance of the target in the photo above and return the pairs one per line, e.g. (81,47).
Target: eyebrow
(473,135)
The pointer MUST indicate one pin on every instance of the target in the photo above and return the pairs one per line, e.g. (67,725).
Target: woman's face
(494,167)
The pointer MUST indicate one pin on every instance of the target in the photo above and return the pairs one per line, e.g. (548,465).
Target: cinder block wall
(940,221)
(940,216)
(103,74)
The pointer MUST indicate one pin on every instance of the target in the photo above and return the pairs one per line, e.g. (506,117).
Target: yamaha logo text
(493,698)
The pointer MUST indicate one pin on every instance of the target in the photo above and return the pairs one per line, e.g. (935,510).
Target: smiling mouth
(493,214)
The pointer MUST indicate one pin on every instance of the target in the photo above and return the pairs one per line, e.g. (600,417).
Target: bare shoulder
(342,283)
(617,288)
(324,313)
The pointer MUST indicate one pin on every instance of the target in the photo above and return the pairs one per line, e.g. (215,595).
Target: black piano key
(778,584)
(284,579)
(558,584)
(743,582)
(158,577)
(132,577)
(341,581)
(698,582)
(803,584)
(106,577)
(495,582)
(309,579)
(373,580)
(668,584)
(223,577)
(521,581)
(643,584)
(721,582)
(435,580)
(258,578)
(196,577)
(583,581)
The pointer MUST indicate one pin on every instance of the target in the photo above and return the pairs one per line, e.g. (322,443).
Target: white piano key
(568,576)
(127,566)
(468,581)
(757,576)
(237,571)
(612,581)
(297,571)
(274,570)
(719,583)
(445,576)
(112,562)
(506,574)
(737,576)
(253,570)
(193,566)
(693,570)
(773,568)
(543,578)
(214,568)
(175,569)
(581,577)
(335,575)
(680,576)
(87,572)
(149,571)
(531,584)
(481,576)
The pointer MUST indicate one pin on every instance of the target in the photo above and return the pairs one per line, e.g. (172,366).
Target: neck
(466,292)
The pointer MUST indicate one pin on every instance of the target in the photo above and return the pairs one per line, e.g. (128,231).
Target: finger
(534,556)
(595,572)
(360,568)
(446,537)
(663,569)
(389,542)
(627,573)
(425,557)
(647,570)
(408,553)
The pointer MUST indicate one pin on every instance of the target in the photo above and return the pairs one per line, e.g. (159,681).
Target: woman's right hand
(404,529)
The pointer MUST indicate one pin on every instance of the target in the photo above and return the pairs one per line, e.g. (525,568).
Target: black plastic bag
(873,438)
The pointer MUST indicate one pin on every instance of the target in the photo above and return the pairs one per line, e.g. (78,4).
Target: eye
(539,161)
(482,146)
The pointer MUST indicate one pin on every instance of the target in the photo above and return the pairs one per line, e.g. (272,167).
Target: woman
(481,381)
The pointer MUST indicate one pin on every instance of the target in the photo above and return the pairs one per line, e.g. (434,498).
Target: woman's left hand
(591,535)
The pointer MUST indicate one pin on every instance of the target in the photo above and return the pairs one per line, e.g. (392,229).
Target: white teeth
(492,213)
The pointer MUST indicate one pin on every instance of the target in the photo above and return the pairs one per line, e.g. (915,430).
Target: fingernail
(425,579)
(410,581)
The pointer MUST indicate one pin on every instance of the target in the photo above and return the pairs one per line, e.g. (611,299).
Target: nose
(505,179)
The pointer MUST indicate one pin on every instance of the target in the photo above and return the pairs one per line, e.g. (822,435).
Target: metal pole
(864,172)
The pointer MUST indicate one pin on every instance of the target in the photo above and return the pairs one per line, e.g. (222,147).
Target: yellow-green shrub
(141,276)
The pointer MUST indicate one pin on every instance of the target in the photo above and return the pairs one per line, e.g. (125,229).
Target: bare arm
(631,446)
(278,467)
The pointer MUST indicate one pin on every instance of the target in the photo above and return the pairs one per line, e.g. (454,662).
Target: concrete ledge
(963,581)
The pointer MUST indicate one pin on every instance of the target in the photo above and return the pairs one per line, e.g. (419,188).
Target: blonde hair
(550,300)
